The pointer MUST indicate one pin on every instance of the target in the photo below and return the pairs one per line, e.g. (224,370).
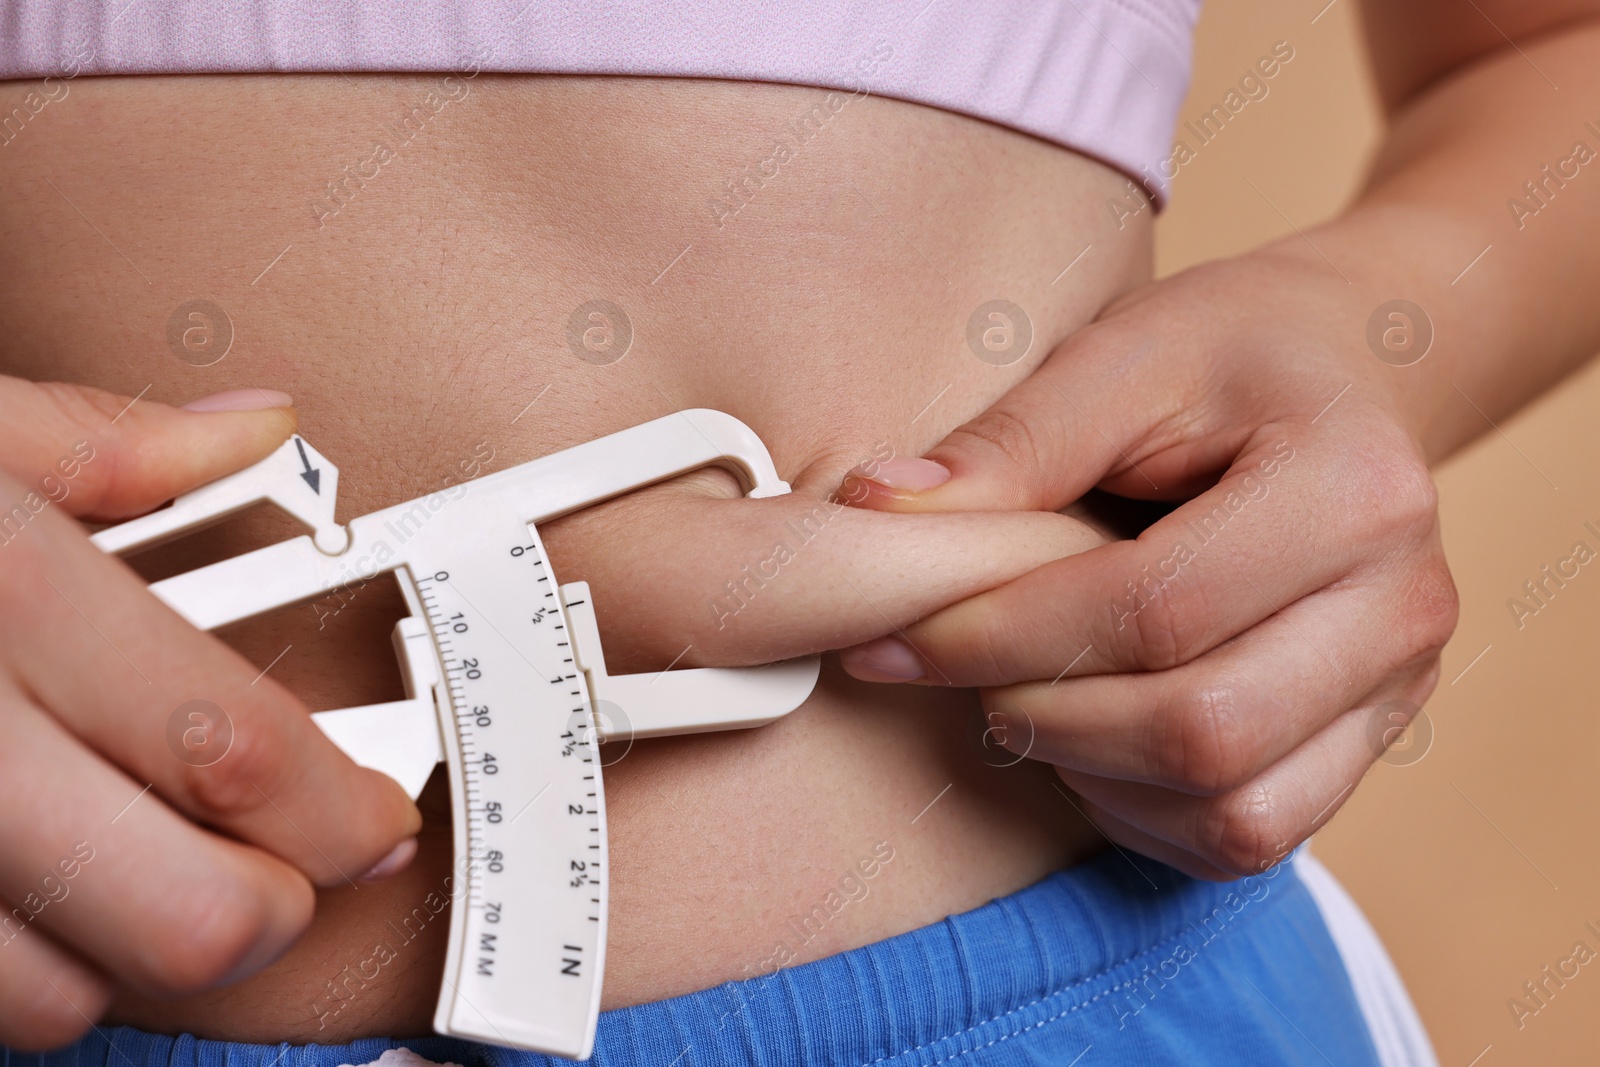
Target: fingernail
(883,660)
(241,400)
(396,861)
(908,473)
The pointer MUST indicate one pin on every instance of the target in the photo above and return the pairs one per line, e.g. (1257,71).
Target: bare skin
(420,320)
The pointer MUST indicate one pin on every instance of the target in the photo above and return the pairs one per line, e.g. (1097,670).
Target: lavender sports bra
(1102,77)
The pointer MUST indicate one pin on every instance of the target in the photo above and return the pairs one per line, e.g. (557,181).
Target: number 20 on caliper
(505,681)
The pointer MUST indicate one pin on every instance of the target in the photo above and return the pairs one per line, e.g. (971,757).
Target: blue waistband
(1118,960)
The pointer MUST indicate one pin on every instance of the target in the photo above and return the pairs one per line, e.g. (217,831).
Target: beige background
(1479,864)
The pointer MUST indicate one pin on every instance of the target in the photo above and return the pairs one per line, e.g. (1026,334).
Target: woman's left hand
(1214,689)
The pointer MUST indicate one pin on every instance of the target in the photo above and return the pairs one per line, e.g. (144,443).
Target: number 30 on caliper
(504,675)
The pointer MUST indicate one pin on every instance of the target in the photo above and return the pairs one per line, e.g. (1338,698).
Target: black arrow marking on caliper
(313,477)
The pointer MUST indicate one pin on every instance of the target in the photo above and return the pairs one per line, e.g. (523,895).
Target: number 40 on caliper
(505,681)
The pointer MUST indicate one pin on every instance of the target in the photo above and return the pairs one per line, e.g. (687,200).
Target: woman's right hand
(209,877)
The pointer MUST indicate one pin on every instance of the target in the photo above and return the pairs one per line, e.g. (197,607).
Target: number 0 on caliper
(506,683)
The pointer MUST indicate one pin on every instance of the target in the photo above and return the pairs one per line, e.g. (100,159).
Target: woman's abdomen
(459,279)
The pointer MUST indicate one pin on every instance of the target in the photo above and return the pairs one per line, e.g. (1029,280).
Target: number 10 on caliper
(505,681)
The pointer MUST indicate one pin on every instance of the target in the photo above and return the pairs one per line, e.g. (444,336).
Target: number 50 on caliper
(505,681)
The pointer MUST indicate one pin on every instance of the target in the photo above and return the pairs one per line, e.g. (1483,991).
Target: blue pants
(1116,961)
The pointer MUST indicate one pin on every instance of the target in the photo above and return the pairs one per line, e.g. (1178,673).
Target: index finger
(1207,571)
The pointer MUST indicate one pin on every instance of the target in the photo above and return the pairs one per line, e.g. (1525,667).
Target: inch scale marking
(503,671)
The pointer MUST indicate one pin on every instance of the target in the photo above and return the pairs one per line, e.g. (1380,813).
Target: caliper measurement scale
(503,674)
(521,740)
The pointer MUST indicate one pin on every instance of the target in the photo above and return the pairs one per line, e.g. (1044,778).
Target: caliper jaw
(688,700)
(401,738)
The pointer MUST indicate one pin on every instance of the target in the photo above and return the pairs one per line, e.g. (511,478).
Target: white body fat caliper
(504,673)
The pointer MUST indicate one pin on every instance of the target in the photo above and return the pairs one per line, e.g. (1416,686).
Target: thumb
(1070,426)
(105,457)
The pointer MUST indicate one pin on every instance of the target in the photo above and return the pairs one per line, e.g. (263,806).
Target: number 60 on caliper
(503,673)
